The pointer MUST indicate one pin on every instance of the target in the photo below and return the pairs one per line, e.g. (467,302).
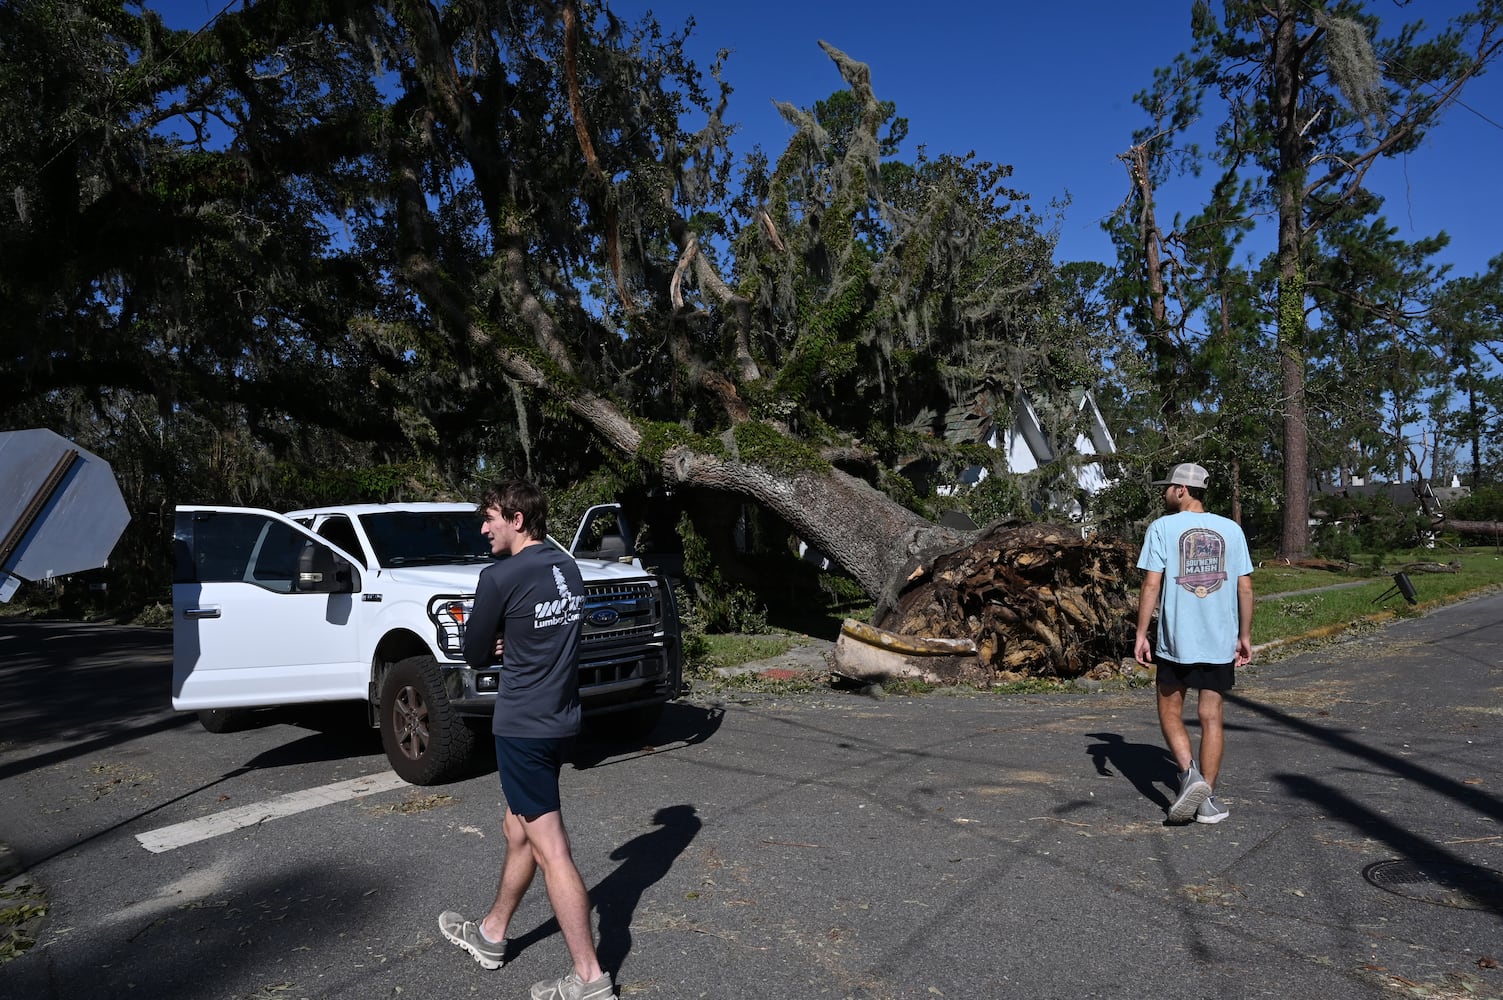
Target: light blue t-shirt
(1201,556)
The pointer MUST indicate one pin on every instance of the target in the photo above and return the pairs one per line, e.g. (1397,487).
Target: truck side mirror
(321,571)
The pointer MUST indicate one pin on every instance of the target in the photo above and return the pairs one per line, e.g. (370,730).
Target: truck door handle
(193,614)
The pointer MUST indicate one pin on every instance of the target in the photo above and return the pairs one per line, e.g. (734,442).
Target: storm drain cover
(1447,883)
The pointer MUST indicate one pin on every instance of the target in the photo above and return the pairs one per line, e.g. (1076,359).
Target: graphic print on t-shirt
(1202,561)
(564,611)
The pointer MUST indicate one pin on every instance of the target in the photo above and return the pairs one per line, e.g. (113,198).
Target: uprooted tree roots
(1036,599)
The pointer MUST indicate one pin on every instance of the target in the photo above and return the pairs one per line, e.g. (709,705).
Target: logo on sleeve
(1202,561)
(564,611)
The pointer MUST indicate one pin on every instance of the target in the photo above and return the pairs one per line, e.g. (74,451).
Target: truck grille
(613,612)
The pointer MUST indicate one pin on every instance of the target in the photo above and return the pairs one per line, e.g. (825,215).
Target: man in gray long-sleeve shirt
(528,607)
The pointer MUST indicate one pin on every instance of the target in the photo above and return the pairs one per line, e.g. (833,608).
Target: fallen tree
(1490,530)
(542,271)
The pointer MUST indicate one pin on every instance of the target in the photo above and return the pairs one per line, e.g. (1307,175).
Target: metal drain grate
(1446,883)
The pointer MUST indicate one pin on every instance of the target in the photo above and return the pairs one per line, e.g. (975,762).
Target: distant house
(1021,435)
(1419,493)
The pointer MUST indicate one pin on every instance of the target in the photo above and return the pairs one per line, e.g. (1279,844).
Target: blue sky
(1047,88)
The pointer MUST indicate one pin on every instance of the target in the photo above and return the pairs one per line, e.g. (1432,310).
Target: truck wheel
(425,739)
(224,720)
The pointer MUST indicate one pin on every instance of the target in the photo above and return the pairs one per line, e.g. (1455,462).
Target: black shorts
(1201,676)
(529,773)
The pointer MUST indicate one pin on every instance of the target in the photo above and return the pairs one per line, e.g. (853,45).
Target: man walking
(1204,631)
(528,607)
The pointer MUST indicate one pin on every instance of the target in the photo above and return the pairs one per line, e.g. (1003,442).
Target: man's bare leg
(1171,704)
(516,875)
(566,890)
(1208,707)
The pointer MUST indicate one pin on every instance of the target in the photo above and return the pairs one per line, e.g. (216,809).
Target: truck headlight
(449,613)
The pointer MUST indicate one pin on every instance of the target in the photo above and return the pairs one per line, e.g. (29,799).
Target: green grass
(1299,614)
(732,650)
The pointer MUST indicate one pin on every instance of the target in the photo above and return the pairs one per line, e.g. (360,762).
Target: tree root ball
(1036,599)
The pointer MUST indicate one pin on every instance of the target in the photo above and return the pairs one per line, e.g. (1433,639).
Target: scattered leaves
(415,805)
(17,921)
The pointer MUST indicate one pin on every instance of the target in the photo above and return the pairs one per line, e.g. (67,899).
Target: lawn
(1287,617)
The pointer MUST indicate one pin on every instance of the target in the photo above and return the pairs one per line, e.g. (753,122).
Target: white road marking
(168,838)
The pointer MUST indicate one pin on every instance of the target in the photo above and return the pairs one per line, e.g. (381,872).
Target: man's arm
(1244,619)
(1148,602)
(482,633)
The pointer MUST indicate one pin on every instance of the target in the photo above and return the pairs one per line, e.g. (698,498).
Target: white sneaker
(1211,811)
(1193,790)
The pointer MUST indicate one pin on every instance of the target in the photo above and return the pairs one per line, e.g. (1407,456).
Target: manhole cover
(1447,883)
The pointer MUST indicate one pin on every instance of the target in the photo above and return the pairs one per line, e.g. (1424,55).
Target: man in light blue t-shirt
(1204,630)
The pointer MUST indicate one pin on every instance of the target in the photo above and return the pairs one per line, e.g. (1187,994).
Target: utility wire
(164,61)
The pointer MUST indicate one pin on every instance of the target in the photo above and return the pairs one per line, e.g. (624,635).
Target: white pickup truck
(368,602)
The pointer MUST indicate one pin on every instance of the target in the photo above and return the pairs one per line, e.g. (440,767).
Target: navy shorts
(1201,676)
(529,773)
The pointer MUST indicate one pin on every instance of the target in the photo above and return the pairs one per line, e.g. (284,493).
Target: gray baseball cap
(1185,474)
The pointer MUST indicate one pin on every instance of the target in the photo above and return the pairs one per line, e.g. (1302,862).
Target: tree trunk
(1489,529)
(876,540)
(1160,346)
(1294,539)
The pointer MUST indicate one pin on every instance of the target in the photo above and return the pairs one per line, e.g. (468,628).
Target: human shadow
(1143,764)
(644,861)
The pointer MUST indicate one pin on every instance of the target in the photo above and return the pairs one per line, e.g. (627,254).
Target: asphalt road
(824,845)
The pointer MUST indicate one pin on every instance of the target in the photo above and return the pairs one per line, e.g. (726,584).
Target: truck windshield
(408,538)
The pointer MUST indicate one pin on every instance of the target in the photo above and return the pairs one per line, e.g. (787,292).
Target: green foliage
(714,651)
(758,443)
(716,604)
(566,506)
(995,497)
(1370,525)
(660,437)
(1334,541)
(1485,504)
(406,288)
(695,641)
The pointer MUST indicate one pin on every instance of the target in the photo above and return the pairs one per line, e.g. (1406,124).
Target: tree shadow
(682,725)
(119,677)
(1487,885)
(1464,795)
(644,861)
(1144,764)
(339,739)
(142,945)
(1483,886)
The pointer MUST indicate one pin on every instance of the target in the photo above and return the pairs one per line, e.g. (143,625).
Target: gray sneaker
(1193,790)
(465,933)
(1211,811)
(571,988)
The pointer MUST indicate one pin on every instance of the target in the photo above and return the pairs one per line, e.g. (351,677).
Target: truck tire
(425,739)
(224,720)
